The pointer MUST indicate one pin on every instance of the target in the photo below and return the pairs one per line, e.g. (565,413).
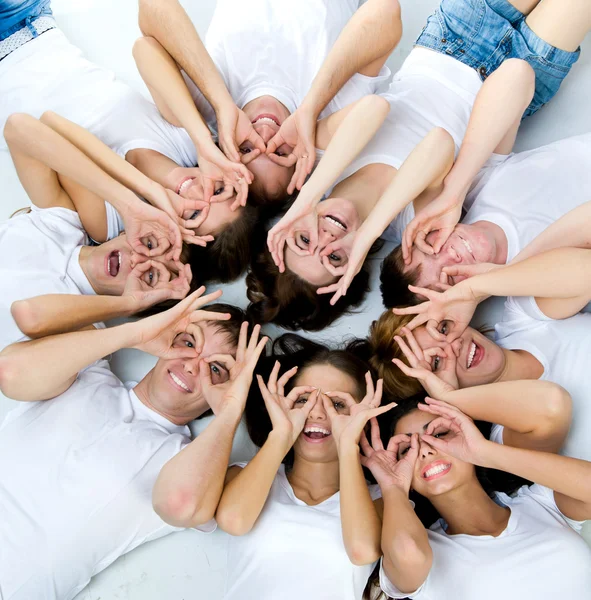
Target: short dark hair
(292,350)
(394,281)
(229,255)
(492,480)
(259,196)
(291,302)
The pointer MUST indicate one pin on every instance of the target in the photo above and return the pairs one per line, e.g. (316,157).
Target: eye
(184,339)
(279,153)
(149,244)
(444,327)
(245,150)
(304,239)
(334,257)
(338,405)
(196,213)
(402,451)
(440,434)
(435,363)
(217,192)
(219,374)
(151,277)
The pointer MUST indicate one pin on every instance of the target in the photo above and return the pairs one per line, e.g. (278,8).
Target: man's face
(175,386)
(467,245)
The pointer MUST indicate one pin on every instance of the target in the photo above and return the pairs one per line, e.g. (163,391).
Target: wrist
(129,305)
(310,107)
(488,456)
(281,440)
(393,489)
(347,447)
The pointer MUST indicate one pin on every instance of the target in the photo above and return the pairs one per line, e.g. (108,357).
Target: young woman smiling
(302,504)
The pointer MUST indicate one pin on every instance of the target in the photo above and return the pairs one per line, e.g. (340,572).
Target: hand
(420,361)
(456,305)
(299,132)
(286,420)
(355,261)
(214,166)
(303,212)
(235,128)
(384,463)
(234,392)
(458,273)
(180,207)
(150,231)
(144,294)
(441,215)
(156,334)
(463,440)
(347,427)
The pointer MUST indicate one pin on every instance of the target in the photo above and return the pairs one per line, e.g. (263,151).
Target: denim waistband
(30,31)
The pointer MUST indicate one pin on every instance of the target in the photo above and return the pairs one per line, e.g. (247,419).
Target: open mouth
(316,434)
(178,382)
(336,222)
(475,355)
(267,118)
(113,263)
(436,470)
(184,185)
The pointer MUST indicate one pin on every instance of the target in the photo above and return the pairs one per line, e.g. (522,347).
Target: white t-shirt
(563,347)
(50,73)
(272,48)
(76,478)
(527,192)
(540,556)
(42,250)
(294,551)
(430,90)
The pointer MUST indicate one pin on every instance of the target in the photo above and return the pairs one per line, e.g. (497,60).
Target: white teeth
(184,186)
(336,223)
(266,120)
(119,256)
(468,247)
(317,430)
(178,381)
(435,470)
(471,355)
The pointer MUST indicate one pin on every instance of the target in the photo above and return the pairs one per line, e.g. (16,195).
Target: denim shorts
(16,14)
(484,33)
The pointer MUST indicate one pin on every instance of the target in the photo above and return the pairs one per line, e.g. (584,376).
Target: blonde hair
(383,349)
(21,211)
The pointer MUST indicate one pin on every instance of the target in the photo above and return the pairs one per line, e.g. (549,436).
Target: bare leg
(524,6)
(562,23)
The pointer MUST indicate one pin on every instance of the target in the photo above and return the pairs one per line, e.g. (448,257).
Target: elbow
(407,554)
(232,521)
(388,19)
(180,508)
(8,375)
(363,553)
(142,45)
(555,414)
(26,317)
(14,127)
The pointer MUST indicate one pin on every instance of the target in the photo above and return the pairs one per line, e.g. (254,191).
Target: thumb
(274,143)
(439,238)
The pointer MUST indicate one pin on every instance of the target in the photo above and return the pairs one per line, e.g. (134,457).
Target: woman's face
(477,360)
(316,443)
(337,219)
(435,472)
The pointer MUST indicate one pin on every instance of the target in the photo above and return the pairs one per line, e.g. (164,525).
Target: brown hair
(228,256)
(275,202)
(291,302)
(383,349)
(394,281)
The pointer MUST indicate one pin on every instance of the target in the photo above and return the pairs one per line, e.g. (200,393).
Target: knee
(143,43)
(520,70)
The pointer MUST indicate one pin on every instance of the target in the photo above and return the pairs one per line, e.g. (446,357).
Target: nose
(457,346)
(318,413)
(137,259)
(452,255)
(425,450)
(265,131)
(195,192)
(191,365)
(325,237)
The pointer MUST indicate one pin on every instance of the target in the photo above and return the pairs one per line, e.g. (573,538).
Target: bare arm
(535,414)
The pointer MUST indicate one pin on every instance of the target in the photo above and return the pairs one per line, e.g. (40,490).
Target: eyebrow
(424,427)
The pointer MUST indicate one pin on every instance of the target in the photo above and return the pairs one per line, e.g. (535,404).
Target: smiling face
(478,360)
(467,245)
(108,266)
(337,218)
(316,443)
(435,472)
(267,115)
(173,387)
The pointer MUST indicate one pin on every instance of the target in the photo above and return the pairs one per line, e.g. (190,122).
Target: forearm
(353,134)
(361,525)
(161,74)
(189,486)
(56,359)
(372,32)
(405,543)
(99,153)
(568,476)
(42,143)
(498,108)
(560,273)
(244,497)
(572,230)
(167,22)
(156,166)
(425,166)
(60,313)
(536,414)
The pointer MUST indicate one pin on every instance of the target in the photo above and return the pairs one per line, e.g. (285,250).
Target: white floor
(189,564)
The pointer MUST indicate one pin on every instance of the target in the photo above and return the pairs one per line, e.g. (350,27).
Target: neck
(314,482)
(142,391)
(520,364)
(365,187)
(469,510)
(84,262)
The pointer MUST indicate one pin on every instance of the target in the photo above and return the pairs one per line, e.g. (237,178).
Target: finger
(413,360)
(285,378)
(252,155)
(284,161)
(364,443)
(254,339)
(312,400)
(206,315)
(255,355)
(413,454)
(197,333)
(395,441)
(375,412)
(378,393)
(202,300)
(303,173)
(439,238)
(369,389)
(422,244)
(452,410)
(208,188)
(257,141)
(272,384)
(432,326)
(296,392)
(267,397)
(242,342)
(349,400)
(331,411)
(408,371)
(376,438)
(407,241)
(205,375)
(329,288)
(274,143)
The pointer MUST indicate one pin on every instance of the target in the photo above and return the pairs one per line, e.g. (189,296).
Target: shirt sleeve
(545,496)
(391,590)
(114,222)
(496,434)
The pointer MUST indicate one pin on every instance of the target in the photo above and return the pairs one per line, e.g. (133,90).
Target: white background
(191,565)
